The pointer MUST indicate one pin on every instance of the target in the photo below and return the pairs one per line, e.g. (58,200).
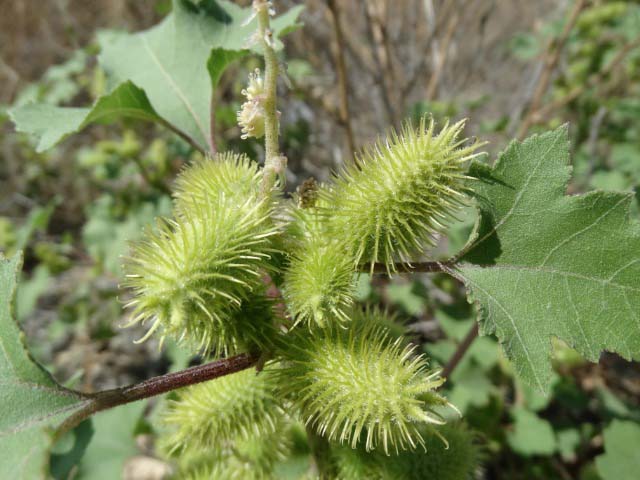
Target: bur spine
(400,194)
(193,275)
(357,386)
(213,415)
(457,459)
(319,283)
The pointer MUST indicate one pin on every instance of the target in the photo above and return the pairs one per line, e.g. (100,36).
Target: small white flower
(251,119)
(255,89)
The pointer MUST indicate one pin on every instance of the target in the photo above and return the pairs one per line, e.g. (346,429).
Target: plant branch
(441,58)
(158,385)
(592,82)
(345,116)
(272,161)
(550,59)
(380,67)
(419,267)
(463,347)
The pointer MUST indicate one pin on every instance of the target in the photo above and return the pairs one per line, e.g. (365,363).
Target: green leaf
(406,296)
(49,124)
(541,264)
(170,61)
(112,444)
(165,74)
(29,397)
(68,451)
(621,460)
(569,441)
(531,434)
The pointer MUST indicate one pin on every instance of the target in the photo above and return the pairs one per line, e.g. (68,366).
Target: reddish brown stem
(158,385)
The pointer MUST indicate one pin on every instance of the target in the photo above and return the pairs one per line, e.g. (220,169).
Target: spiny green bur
(400,194)
(216,414)
(319,280)
(254,457)
(232,427)
(358,386)
(457,459)
(229,174)
(201,278)
(193,275)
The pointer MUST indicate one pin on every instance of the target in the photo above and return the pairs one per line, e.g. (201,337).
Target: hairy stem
(158,385)
(271,122)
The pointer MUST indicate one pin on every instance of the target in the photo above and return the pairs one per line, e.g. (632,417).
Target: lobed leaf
(30,398)
(166,73)
(541,264)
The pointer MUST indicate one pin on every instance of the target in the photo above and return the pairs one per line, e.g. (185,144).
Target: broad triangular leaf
(30,398)
(542,264)
(172,69)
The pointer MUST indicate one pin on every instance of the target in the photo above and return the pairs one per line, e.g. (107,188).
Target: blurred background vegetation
(357,67)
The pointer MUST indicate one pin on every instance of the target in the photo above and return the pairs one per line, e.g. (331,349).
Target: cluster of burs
(240,269)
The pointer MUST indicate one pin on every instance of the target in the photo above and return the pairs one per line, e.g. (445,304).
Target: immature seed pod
(355,385)
(190,276)
(319,283)
(457,459)
(231,174)
(400,194)
(253,457)
(224,412)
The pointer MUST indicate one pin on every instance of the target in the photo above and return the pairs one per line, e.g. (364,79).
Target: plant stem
(422,267)
(460,351)
(271,122)
(592,82)
(213,148)
(185,136)
(158,385)
(550,59)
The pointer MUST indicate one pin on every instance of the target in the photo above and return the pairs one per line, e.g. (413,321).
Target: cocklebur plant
(200,279)
(244,276)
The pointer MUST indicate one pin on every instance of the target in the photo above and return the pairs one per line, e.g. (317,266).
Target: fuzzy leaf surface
(166,73)
(30,398)
(543,264)
(169,61)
